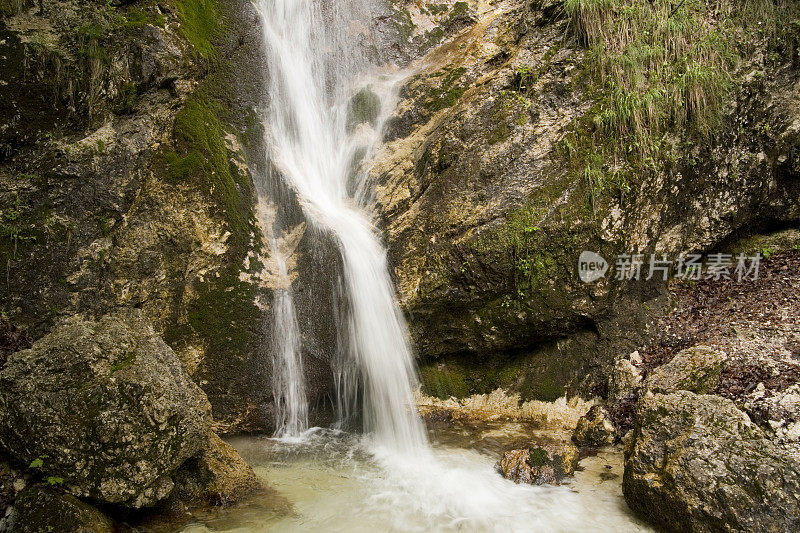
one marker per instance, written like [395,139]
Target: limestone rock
[105,405]
[543,465]
[47,509]
[696,369]
[217,476]
[625,379]
[594,429]
[697,463]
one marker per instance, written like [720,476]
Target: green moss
[445,381]
[403,23]
[463,376]
[139,16]
[364,107]
[123,362]
[437,9]
[225,316]
[448,91]
[538,457]
[202,156]
[500,133]
[201,22]
[779,241]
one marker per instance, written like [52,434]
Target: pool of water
[333,481]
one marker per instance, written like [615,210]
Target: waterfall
[312,66]
[288,388]
[316,66]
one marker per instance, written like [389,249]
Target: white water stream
[314,70]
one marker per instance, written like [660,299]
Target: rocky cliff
[543,129]
[127,131]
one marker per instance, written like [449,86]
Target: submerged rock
[47,509]
[594,429]
[697,463]
[696,369]
[542,465]
[104,406]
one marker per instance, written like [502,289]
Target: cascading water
[291,406]
[311,68]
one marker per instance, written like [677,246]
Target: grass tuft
[660,70]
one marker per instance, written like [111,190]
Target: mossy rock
[39,509]
[546,464]
[697,369]
[364,108]
[594,429]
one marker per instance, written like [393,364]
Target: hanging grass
[661,70]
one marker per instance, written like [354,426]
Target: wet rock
[696,369]
[485,219]
[217,476]
[95,159]
[47,509]
[594,429]
[543,465]
[364,108]
[105,406]
[698,463]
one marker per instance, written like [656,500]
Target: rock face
[127,157]
[594,429]
[47,509]
[487,195]
[697,463]
[105,406]
[544,465]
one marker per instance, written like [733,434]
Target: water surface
[333,481]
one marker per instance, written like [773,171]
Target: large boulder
[106,407]
[698,463]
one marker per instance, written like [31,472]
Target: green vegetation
[403,23]
[448,92]
[462,377]
[538,457]
[140,16]
[124,362]
[16,226]
[202,156]
[9,8]
[200,24]
[660,72]
[364,107]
